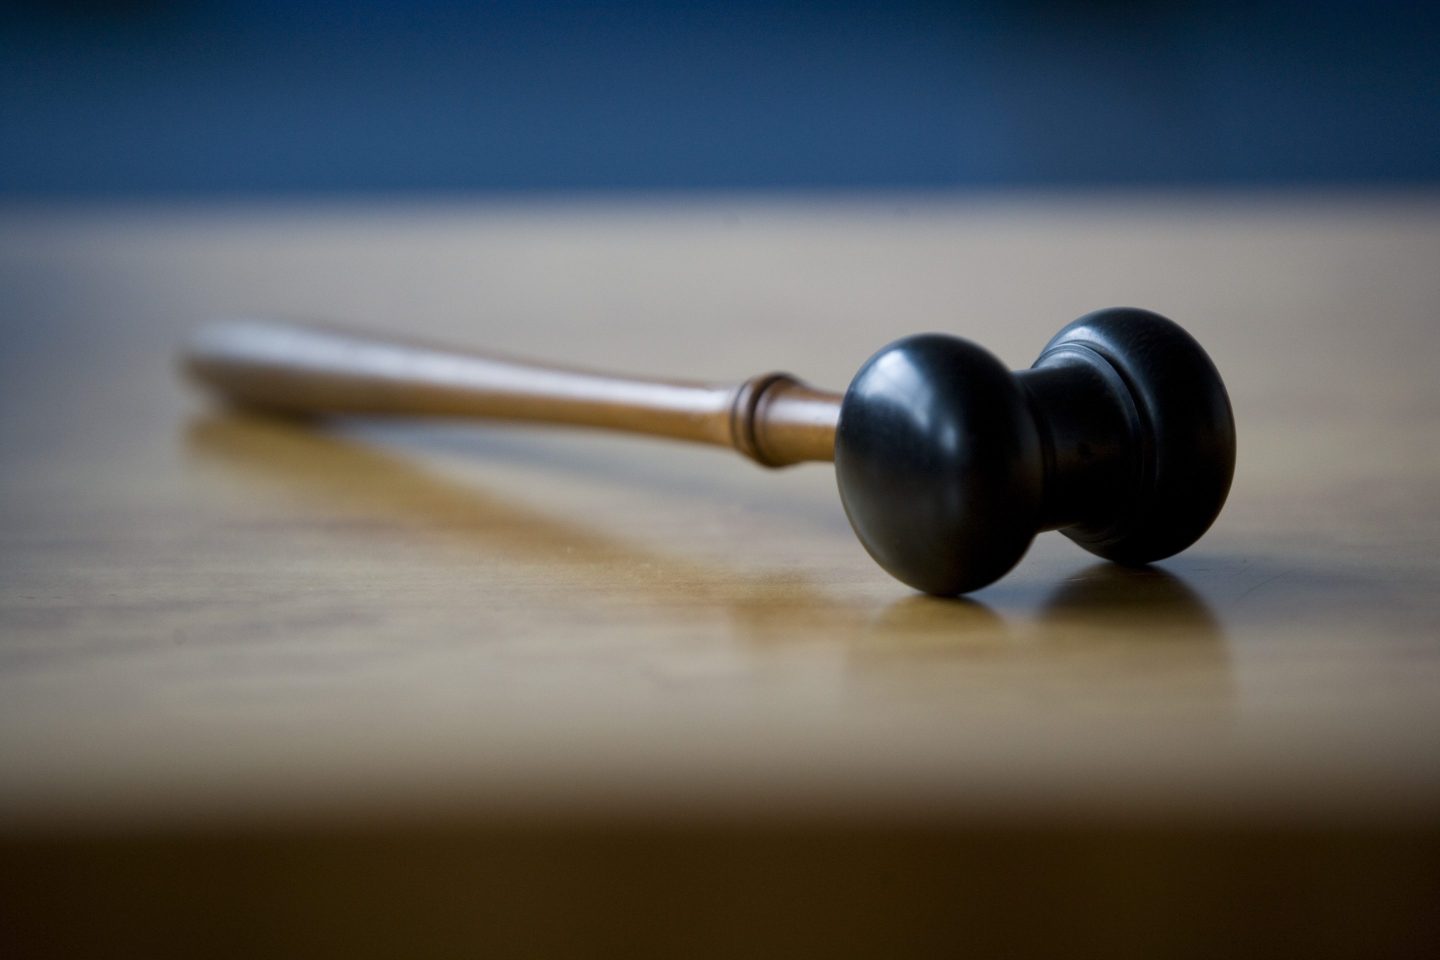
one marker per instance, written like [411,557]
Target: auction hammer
[1120,435]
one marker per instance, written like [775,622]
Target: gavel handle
[773,419]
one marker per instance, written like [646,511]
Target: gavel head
[1121,436]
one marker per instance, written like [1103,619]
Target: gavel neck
[1091,439]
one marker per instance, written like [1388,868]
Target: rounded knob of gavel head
[1120,436]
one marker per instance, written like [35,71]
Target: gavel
[1120,436]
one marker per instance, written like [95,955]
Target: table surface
[212,619]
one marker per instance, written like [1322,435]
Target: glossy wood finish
[1120,435]
[383,686]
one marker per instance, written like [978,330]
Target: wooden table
[395,688]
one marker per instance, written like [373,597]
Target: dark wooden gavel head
[1121,436]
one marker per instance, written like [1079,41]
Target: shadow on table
[1104,618]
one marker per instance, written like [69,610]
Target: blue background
[264,98]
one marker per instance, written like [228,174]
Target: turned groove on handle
[773,418]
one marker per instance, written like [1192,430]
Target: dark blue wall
[209,96]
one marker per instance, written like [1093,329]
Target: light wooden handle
[773,419]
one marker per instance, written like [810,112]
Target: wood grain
[516,688]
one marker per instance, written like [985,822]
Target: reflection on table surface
[1104,619]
